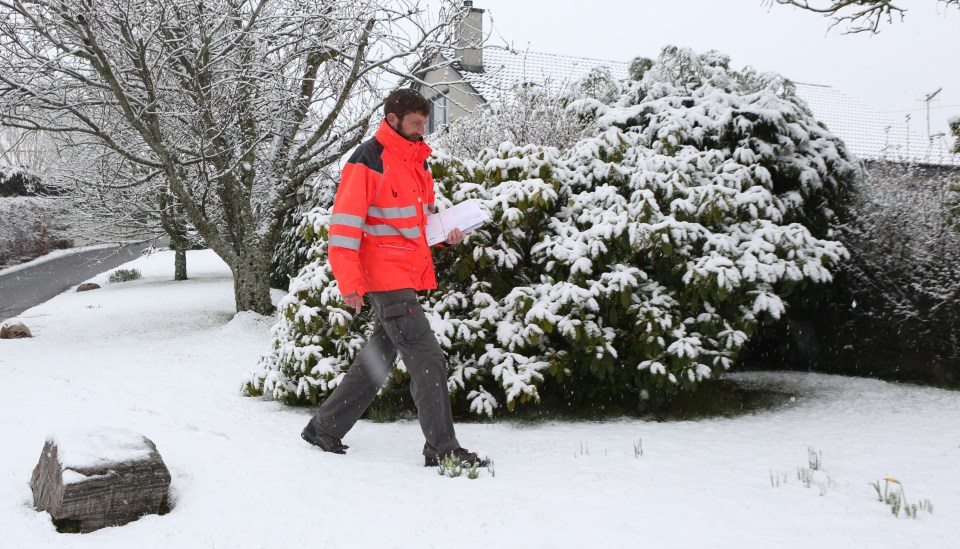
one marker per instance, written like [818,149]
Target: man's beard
[408,137]
[411,137]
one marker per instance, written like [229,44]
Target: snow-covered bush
[524,114]
[904,240]
[29,227]
[292,251]
[17,182]
[955,129]
[124,275]
[316,337]
[635,264]
[952,200]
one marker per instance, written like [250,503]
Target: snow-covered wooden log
[91,480]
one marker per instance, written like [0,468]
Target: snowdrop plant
[452,467]
[805,475]
[635,264]
[808,477]
[896,499]
[779,478]
[473,472]
[814,458]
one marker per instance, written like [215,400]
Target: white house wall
[461,99]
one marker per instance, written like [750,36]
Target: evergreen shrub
[124,275]
[17,182]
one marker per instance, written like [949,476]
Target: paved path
[31,286]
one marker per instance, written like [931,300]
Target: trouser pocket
[404,321]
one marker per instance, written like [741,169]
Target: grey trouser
[400,327]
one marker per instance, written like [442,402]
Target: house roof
[867,132]
[871,134]
[504,69]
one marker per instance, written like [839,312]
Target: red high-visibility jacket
[377,236]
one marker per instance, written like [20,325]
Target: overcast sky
[892,71]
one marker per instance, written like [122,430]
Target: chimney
[469,39]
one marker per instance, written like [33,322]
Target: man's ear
[393,120]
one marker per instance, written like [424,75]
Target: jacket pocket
[400,247]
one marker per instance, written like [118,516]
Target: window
[438,113]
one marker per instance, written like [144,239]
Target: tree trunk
[179,244]
[251,281]
[172,220]
[180,264]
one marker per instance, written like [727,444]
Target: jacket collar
[396,143]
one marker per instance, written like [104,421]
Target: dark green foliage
[639,66]
[292,251]
[124,275]
[894,309]
[17,183]
[22,182]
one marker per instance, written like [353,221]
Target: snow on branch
[231,106]
[857,15]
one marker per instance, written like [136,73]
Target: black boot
[466,458]
[324,441]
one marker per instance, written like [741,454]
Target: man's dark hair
[405,101]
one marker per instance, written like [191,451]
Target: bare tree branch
[213,111]
[857,15]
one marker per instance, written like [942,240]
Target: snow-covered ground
[166,359]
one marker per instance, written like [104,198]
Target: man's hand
[455,237]
[356,303]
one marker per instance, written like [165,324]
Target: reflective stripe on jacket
[377,239]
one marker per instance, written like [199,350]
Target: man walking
[378,249]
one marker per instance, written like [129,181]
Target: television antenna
[927,100]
